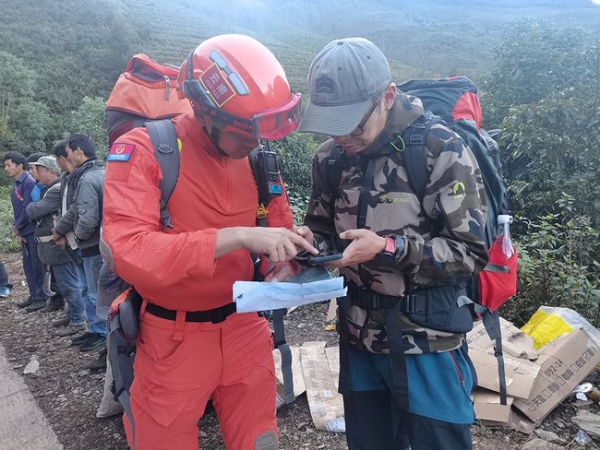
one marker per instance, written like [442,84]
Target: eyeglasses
[359,130]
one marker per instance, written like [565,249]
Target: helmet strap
[214,135]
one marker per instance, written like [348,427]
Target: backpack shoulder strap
[334,168]
[415,157]
[166,150]
[257,164]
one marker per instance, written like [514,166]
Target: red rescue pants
[179,365]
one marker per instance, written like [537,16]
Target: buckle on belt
[410,303]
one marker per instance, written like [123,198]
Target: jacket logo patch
[388,199]
[120,152]
[458,190]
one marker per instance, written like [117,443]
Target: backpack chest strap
[367,299]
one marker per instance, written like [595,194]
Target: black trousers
[372,424]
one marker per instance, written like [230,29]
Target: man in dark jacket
[16,167]
[61,261]
[84,218]
[405,374]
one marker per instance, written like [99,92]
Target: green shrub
[7,240]
[294,155]
[556,268]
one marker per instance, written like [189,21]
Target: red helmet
[239,83]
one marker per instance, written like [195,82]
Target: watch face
[390,244]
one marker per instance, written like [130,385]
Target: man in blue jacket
[15,167]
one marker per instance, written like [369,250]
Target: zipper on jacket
[167,87]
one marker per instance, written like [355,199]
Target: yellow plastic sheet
[544,327]
[548,323]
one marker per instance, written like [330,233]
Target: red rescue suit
[180,365]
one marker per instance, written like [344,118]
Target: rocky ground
[69,394]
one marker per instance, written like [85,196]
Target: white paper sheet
[251,296]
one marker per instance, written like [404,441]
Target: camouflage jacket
[444,233]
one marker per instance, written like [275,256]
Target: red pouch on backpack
[147,90]
[496,283]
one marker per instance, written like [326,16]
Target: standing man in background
[84,219]
[72,272]
[16,168]
[43,213]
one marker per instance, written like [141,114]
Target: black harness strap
[286,354]
[394,334]
[166,150]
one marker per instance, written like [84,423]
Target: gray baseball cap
[49,162]
[343,80]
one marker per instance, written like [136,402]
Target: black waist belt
[215,315]
[365,298]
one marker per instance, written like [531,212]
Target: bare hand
[61,242]
[305,232]
[364,246]
[276,244]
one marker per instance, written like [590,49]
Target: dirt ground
[69,394]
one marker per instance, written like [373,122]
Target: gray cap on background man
[49,162]
[343,80]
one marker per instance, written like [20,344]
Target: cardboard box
[333,359]
[324,401]
[520,374]
[491,413]
[487,407]
[564,362]
[514,341]
[298,378]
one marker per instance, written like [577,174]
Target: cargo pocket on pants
[164,387]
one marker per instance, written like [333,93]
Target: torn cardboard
[297,377]
[333,359]
[487,407]
[491,413]
[564,363]
[324,401]
[514,341]
[520,373]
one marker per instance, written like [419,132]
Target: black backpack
[455,101]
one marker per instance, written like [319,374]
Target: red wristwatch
[391,253]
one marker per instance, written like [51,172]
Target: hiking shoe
[70,330]
[81,339]
[25,303]
[100,362]
[36,306]
[62,322]
[5,290]
[50,307]
[93,342]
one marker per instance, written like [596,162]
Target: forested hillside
[53,54]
